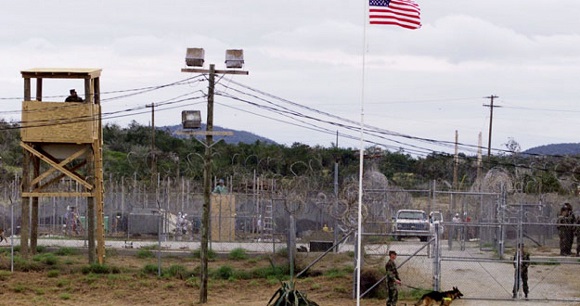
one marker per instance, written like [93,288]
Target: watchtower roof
[62,73]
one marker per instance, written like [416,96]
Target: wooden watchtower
[62,141]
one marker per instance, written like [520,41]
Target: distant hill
[556,149]
[238,137]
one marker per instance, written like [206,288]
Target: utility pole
[455,170]
[153,157]
[491,106]
[207,172]
[479,161]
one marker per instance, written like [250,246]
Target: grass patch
[100,269]
[223,272]
[276,272]
[19,288]
[335,273]
[211,254]
[66,251]
[47,258]
[177,271]
[24,265]
[5,275]
[64,296]
[53,273]
[150,269]
[413,294]
[145,253]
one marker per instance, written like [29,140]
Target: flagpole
[361,158]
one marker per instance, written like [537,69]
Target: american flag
[404,13]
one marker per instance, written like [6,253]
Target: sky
[316,69]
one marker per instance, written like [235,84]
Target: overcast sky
[423,84]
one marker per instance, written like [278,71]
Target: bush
[150,269]
[369,278]
[238,254]
[224,272]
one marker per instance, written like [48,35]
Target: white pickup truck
[411,223]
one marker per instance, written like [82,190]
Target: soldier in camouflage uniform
[566,232]
[522,258]
[392,279]
[578,236]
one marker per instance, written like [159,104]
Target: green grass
[53,273]
[211,254]
[335,273]
[145,253]
[150,269]
[66,251]
[46,258]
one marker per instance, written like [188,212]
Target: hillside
[556,149]
[238,137]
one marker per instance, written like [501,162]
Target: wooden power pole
[491,106]
[207,173]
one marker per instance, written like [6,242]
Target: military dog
[440,298]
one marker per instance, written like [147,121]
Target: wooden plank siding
[60,122]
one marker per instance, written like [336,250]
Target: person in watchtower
[220,188]
[73,97]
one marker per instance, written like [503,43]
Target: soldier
[578,236]
[521,264]
[73,97]
[392,279]
[566,232]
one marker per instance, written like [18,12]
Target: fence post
[436,259]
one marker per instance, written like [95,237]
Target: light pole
[153,156]
[195,57]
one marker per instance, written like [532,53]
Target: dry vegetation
[63,277]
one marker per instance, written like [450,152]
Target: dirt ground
[61,281]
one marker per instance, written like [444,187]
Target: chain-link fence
[474,253]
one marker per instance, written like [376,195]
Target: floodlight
[191,119]
[194,57]
[234,58]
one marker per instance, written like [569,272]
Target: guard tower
[62,141]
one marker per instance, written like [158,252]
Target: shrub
[224,272]
[150,269]
[238,254]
